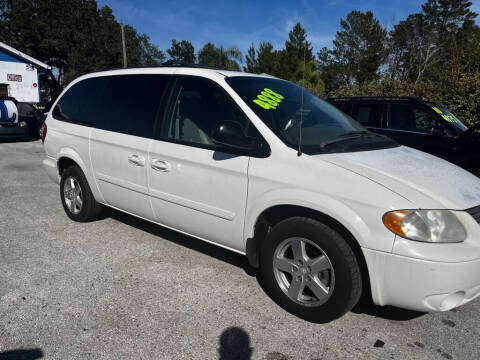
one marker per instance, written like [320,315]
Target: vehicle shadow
[367,307]
[234,344]
[17,140]
[203,247]
[27,354]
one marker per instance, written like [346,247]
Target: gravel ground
[122,288]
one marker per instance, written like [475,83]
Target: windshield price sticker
[447,117]
[268,99]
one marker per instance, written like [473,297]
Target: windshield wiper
[347,136]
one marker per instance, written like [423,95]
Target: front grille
[475,212]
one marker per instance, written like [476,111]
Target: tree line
[434,54]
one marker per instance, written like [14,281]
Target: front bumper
[421,285]
[13,131]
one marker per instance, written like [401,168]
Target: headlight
[23,123]
[436,226]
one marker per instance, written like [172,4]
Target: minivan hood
[423,179]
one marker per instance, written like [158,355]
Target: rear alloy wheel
[77,198]
[310,270]
[72,195]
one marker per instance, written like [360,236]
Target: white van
[325,209]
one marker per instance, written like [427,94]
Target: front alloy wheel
[303,271]
[310,269]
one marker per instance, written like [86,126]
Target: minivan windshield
[286,108]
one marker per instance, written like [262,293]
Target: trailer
[20,82]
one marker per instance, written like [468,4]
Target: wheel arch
[67,157]
[272,215]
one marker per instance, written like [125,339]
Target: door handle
[160,165]
[136,160]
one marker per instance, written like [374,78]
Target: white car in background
[325,209]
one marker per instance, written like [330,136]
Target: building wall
[25,90]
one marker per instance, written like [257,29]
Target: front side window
[199,107]
[78,104]
[298,117]
[410,118]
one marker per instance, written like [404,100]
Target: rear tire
[310,270]
[77,198]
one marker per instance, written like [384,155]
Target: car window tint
[368,115]
[198,109]
[347,108]
[424,122]
[410,118]
[130,103]
[78,104]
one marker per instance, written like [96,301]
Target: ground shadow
[234,344]
[17,140]
[184,240]
[27,354]
[367,307]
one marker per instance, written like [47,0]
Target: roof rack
[370,98]
[169,63]
[172,63]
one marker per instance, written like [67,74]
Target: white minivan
[324,208]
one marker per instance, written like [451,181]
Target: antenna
[299,153]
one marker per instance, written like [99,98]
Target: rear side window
[368,115]
[130,103]
[345,107]
[78,104]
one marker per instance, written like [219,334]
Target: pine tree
[359,47]
[251,60]
[182,51]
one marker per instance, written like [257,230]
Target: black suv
[419,124]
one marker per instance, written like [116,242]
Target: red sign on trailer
[14,77]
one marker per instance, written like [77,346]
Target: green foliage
[182,51]
[359,48]
[221,57]
[434,53]
[310,77]
[74,36]
[297,49]
[267,59]
[251,60]
[460,96]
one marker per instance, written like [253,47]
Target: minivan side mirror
[230,134]
[437,131]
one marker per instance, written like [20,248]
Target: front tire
[77,198]
[310,270]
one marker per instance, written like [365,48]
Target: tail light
[43,132]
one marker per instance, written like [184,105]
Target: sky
[243,22]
